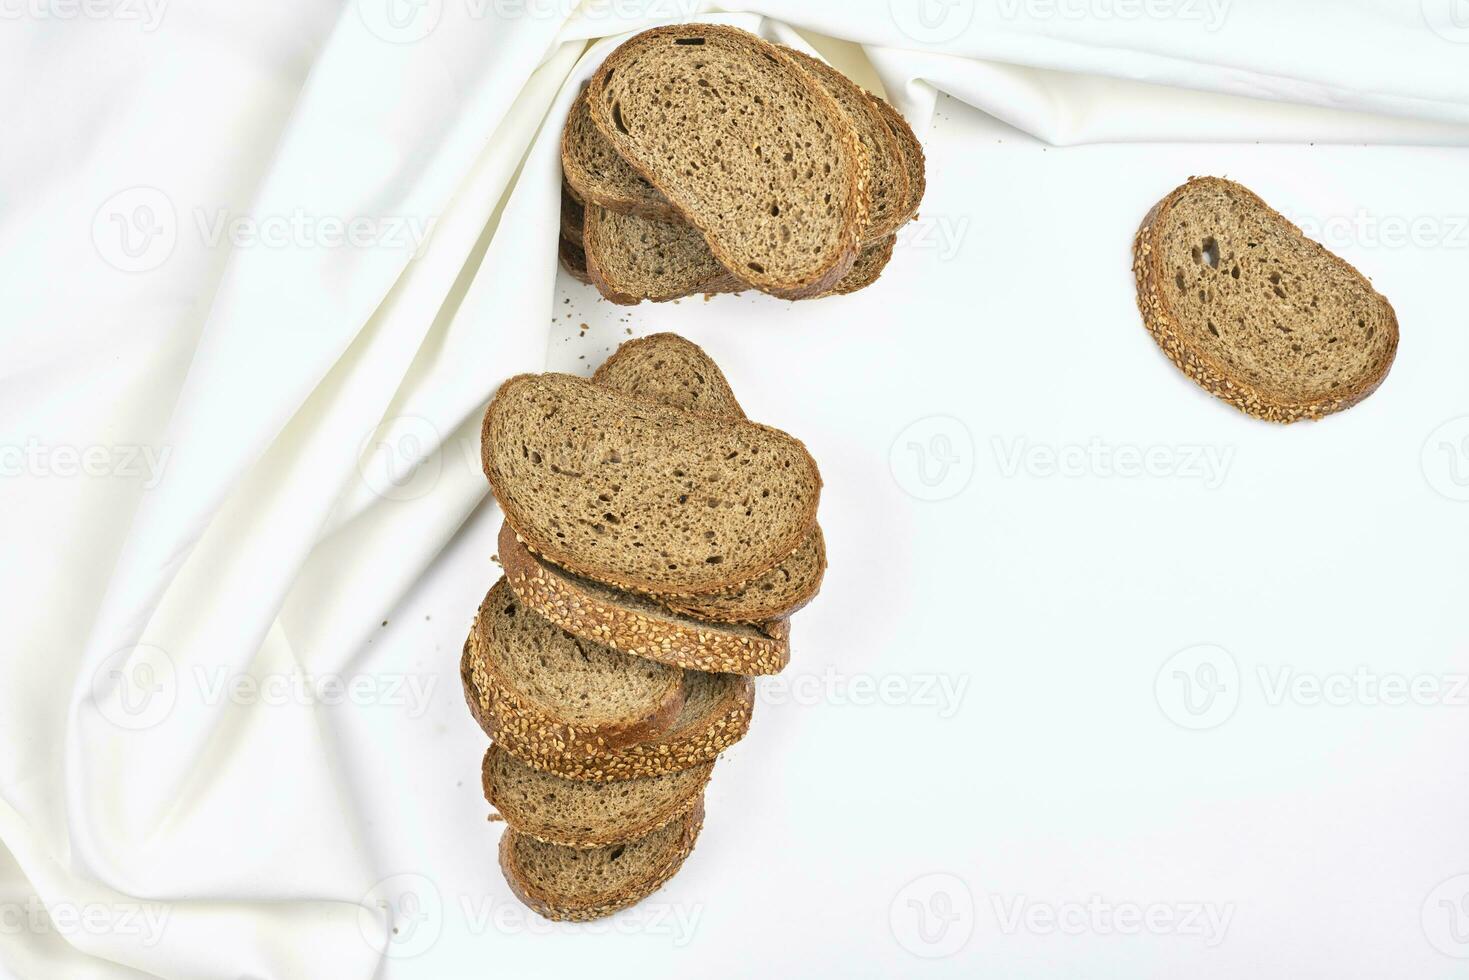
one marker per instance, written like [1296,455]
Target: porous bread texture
[887,171]
[632,258]
[715,715]
[574,813]
[642,496]
[570,685]
[746,145]
[1255,312]
[579,885]
[637,626]
[598,175]
[678,372]
[913,158]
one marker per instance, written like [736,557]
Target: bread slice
[887,168]
[574,813]
[573,216]
[568,884]
[632,258]
[551,681]
[677,372]
[1255,312]
[913,158]
[597,175]
[642,496]
[573,260]
[638,626]
[870,265]
[746,145]
[715,715]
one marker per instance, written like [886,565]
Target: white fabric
[234,443]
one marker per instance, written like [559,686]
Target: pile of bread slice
[703,159]
[655,544]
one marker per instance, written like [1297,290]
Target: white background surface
[1053,602]
[317,517]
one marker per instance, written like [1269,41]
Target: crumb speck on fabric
[385,622]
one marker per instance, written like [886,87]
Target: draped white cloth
[263,266]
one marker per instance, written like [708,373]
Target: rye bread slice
[678,372]
[573,216]
[746,145]
[574,813]
[887,168]
[869,267]
[715,715]
[632,258]
[597,175]
[574,688]
[914,161]
[637,626]
[1255,312]
[641,496]
[573,260]
[567,884]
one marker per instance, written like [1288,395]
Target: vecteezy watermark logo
[932,21]
[1367,229]
[940,234]
[1449,19]
[401,21]
[676,922]
[141,921]
[136,687]
[34,458]
[136,230]
[399,460]
[148,14]
[1198,688]
[1446,917]
[1446,459]
[1208,465]
[1209,13]
[300,228]
[402,916]
[943,694]
[933,458]
[1098,916]
[933,916]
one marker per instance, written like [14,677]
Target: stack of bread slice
[703,159]
[655,544]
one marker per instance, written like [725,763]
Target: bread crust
[565,908]
[709,647]
[649,823]
[587,191]
[594,760]
[780,552]
[912,150]
[857,192]
[517,710]
[1215,378]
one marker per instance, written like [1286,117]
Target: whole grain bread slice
[577,689]
[1255,312]
[575,813]
[748,147]
[678,372]
[568,884]
[598,175]
[573,260]
[637,626]
[913,158]
[642,496]
[573,216]
[715,715]
[632,258]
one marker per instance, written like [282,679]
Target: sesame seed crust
[635,628]
[549,748]
[573,908]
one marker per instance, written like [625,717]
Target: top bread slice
[746,145]
[555,681]
[642,496]
[568,884]
[1255,312]
[678,372]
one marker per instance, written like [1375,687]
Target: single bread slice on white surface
[578,885]
[747,146]
[642,496]
[576,813]
[1255,312]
